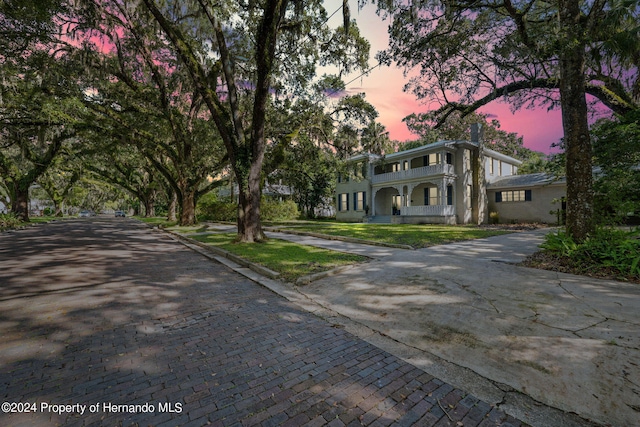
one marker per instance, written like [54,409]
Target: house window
[513,196]
[343,202]
[431,196]
[406,165]
[449,195]
[449,158]
[431,159]
[469,197]
[395,167]
[359,200]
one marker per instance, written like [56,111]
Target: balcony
[413,174]
[433,210]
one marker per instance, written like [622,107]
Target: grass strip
[289,259]
[156,220]
[416,236]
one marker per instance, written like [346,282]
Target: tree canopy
[238,56]
[171,91]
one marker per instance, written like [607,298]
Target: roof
[530,180]
[432,146]
[505,158]
[426,147]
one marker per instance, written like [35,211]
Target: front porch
[419,202]
[418,215]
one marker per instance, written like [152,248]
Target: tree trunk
[249,224]
[20,202]
[57,205]
[173,203]
[188,207]
[149,208]
[149,201]
[57,200]
[575,125]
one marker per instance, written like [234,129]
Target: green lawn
[289,259]
[292,260]
[416,236]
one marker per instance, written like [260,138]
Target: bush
[274,210]
[8,221]
[494,218]
[210,208]
[608,249]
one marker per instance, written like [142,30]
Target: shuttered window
[513,196]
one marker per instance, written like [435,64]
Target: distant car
[84,214]
[120,214]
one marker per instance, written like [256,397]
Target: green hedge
[273,210]
[210,208]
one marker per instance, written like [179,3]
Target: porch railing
[432,210]
[420,172]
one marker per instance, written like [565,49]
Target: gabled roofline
[501,156]
[426,147]
[434,145]
[363,156]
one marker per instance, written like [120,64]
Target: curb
[305,280]
[221,252]
[263,271]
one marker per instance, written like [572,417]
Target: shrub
[8,221]
[211,208]
[607,249]
[560,243]
[494,218]
[274,210]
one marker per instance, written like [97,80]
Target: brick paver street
[108,313]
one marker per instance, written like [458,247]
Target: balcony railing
[432,210]
[421,172]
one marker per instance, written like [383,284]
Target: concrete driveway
[566,341]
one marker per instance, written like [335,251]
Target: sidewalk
[526,340]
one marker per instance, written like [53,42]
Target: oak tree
[240,55]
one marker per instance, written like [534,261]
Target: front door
[396,203]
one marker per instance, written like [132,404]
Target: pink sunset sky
[383,87]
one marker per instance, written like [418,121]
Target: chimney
[477,132]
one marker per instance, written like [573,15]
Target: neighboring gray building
[527,198]
[446,182]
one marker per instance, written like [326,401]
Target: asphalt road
[106,322]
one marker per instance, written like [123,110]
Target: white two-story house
[443,182]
